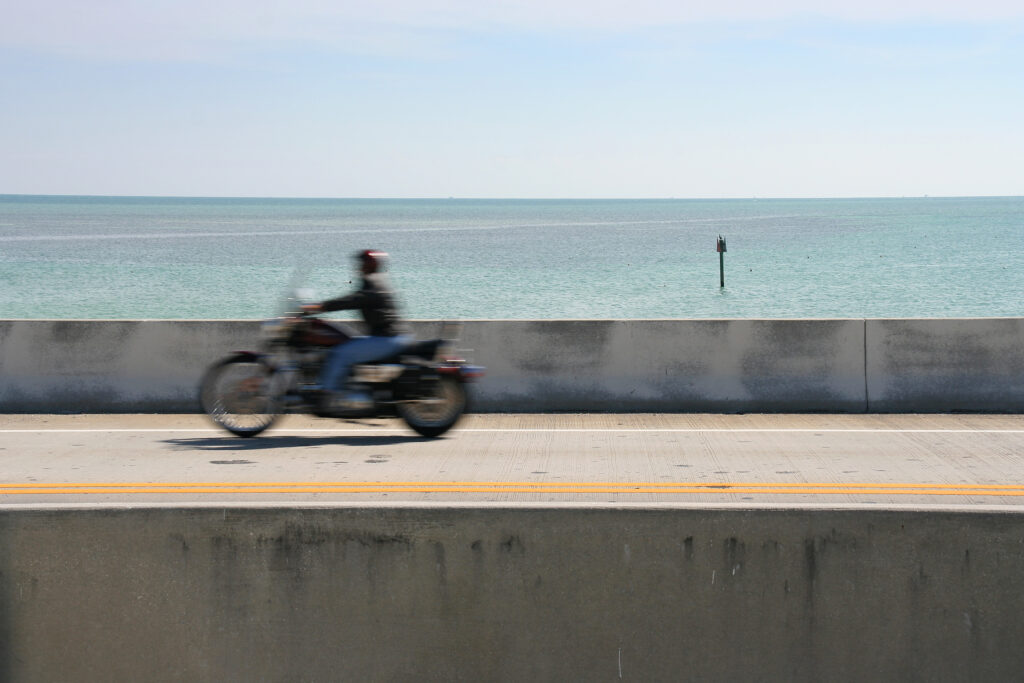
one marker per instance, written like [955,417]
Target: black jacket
[376,302]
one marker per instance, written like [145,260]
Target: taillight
[472,371]
[464,372]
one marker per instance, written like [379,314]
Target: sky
[462,98]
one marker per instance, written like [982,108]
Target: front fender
[246,355]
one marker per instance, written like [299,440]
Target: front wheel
[435,414]
[238,394]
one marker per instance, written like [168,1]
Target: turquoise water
[102,257]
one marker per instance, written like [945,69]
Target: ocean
[221,258]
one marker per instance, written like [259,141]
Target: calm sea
[115,257]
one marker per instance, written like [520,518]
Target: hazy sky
[471,98]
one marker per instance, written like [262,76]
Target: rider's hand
[310,308]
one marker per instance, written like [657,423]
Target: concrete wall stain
[562,347]
[735,552]
[513,546]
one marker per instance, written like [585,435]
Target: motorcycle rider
[387,333]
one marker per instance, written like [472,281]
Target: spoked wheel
[436,414]
[237,394]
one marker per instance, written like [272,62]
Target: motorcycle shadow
[235,443]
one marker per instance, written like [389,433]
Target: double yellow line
[774,488]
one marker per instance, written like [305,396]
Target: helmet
[372,260]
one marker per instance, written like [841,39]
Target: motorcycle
[425,384]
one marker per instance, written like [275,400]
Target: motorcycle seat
[421,350]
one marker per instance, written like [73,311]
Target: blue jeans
[358,350]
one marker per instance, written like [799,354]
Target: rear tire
[439,413]
[235,393]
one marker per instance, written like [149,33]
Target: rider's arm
[345,303]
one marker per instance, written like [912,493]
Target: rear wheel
[237,393]
[436,413]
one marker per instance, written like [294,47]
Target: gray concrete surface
[850,365]
[522,593]
[823,460]
[679,365]
[521,547]
[968,365]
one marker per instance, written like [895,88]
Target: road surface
[940,461]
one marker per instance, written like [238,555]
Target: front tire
[236,393]
[435,415]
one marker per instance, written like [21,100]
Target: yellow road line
[777,488]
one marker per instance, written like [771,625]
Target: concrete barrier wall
[509,594]
[942,365]
[605,365]
[109,365]
[671,365]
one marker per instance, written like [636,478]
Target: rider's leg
[357,350]
[336,365]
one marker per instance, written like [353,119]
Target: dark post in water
[720,248]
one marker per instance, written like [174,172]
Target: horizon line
[499,198]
